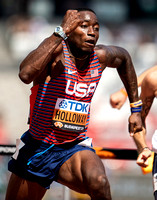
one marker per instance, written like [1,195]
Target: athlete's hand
[70,21]
[117,99]
[142,159]
[135,123]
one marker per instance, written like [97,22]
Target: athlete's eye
[96,28]
[84,26]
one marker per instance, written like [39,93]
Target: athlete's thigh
[19,188]
[77,172]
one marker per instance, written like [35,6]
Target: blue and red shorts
[39,162]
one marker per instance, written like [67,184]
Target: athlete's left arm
[119,58]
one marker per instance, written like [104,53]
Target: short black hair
[85,9]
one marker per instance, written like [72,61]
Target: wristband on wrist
[123,91]
[136,104]
[137,109]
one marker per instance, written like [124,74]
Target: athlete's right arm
[118,98]
[36,61]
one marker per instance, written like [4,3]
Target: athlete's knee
[99,182]
[100,188]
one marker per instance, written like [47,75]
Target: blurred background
[127,23]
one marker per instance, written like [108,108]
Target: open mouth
[90,42]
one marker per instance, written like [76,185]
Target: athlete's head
[85,36]
[85,9]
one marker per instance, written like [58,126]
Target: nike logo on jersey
[71,72]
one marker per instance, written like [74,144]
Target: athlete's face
[85,36]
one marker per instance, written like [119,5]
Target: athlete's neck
[81,58]
[76,52]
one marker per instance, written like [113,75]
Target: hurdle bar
[103,153]
[7,150]
[114,153]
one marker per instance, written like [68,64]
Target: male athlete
[148,82]
[65,70]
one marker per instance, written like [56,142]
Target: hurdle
[103,153]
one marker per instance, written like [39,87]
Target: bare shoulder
[111,56]
[151,78]
[110,50]
[149,83]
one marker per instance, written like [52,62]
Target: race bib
[70,115]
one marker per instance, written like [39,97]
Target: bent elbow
[25,77]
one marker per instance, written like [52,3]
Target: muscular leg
[84,172]
[19,189]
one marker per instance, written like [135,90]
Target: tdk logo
[77,106]
[72,105]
